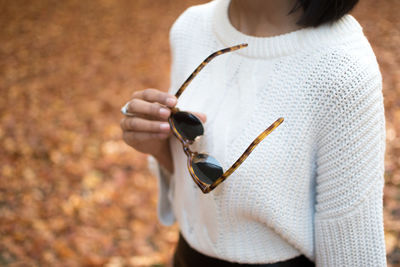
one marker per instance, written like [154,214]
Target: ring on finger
[124,110]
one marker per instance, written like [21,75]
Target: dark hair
[317,12]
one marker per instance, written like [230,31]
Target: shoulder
[347,76]
[190,19]
[339,44]
[191,36]
[354,84]
[354,68]
[352,63]
[187,37]
[348,63]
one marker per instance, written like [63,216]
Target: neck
[264,18]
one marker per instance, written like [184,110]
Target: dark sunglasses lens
[188,125]
[206,168]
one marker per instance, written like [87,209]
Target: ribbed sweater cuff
[355,239]
[164,207]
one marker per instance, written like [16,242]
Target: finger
[137,124]
[201,116]
[154,95]
[146,109]
[147,117]
[136,137]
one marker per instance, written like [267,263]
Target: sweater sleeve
[350,176]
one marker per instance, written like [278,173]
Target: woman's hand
[148,130]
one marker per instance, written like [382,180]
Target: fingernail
[171,101]
[164,126]
[164,112]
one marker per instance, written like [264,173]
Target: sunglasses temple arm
[205,62]
[247,152]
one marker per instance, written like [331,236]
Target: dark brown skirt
[186,256]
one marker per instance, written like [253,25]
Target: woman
[311,192]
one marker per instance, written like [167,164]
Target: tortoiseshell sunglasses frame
[206,188]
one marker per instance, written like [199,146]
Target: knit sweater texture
[313,186]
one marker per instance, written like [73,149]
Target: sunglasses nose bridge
[187,150]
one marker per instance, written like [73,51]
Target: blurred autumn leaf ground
[71,192]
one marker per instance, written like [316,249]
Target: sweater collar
[284,44]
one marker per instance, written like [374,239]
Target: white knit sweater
[313,186]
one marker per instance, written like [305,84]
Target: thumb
[201,116]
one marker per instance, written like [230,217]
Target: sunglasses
[205,170]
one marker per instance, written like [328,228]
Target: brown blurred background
[72,193]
